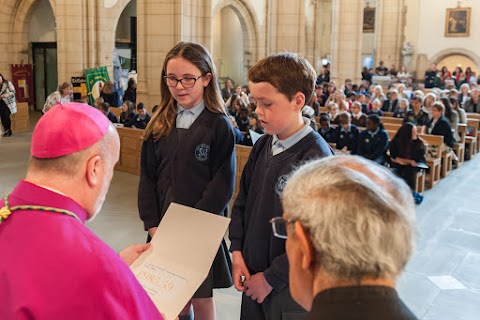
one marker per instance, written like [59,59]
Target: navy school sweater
[263,180]
[198,170]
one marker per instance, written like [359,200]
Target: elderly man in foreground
[350,227]
[51,265]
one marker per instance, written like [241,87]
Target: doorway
[44,71]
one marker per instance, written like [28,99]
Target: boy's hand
[257,287]
[239,270]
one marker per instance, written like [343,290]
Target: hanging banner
[95,79]
[22,79]
[79,88]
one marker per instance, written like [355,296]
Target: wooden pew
[116,111]
[391,120]
[392,126]
[388,114]
[131,142]
[434,161]
[471,140]
[21,119]
[459,146]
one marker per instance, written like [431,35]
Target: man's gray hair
[359,216]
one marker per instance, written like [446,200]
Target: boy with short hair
[281,84]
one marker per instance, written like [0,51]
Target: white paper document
[255,136]
[179,259]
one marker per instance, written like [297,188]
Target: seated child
[254,125]
[346,134]
[105,108]
[333,112]
[402,109]
[242,119]
[142,118]
[127,117]
[373,142]
[326,131]
[358,117]
[376,108]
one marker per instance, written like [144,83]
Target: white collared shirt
[278,146]
[185,117]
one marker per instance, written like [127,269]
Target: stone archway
[456,51]
[18,31]
[249,24]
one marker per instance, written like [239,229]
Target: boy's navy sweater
[263,180]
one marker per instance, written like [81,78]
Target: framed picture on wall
[457,22]
[368,20]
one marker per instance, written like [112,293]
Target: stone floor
[442,280]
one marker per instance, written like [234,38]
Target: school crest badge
[201,152]
[281,183]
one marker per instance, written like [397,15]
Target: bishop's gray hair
[358,215]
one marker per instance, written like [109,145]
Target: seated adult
[127,117]
[326,130]
[349,226]
[439,125]
[390,105]
[108,94]
[346,134]
[373,142]
[402,109]
[406,151]
[141,119]
[417,115]
[359,119]
[472,104]
[58,97]
[104,107]
[52,266]
[452,117]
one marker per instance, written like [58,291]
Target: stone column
[389,32]
[346,41]
[160,26]
[287,23]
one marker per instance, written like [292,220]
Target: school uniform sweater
[346,139]
[262,183]
[198,169]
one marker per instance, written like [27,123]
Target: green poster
[95,79]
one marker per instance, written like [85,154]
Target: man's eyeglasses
[279,226]
[186,82]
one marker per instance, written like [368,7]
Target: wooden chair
[459,147]
[391,120]
[471,139]
[447,157]
[475,116]
[434,160]
[420,182]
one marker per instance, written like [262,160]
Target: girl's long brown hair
[163,119]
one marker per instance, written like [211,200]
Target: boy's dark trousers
[279,305]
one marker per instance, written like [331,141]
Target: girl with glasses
[188,156]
